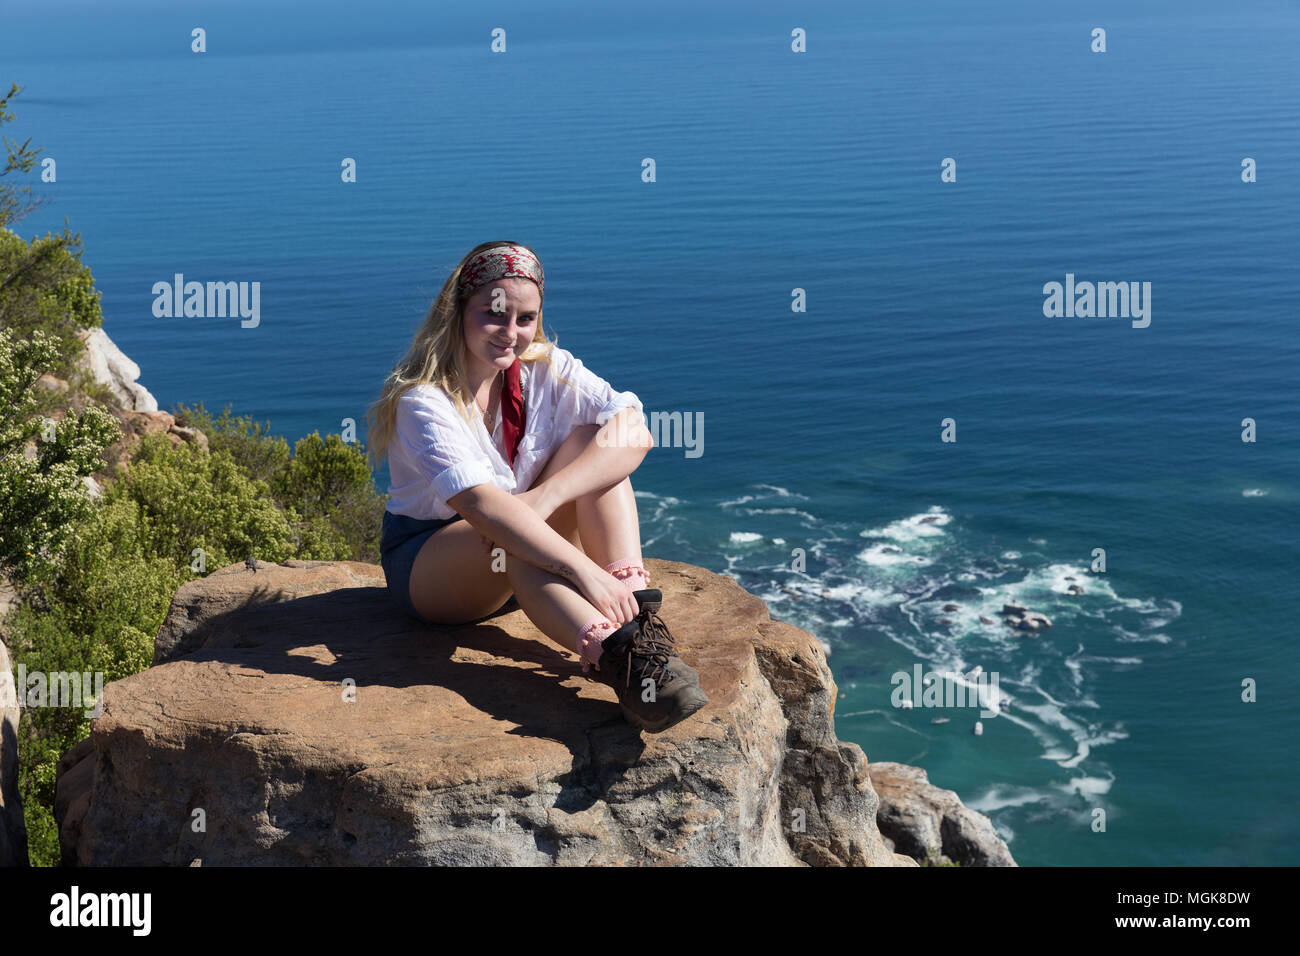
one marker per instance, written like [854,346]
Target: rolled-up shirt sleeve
[597,402]
[437,442]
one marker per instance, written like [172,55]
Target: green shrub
[102,610]
[259,454]
[329,488]
[95,580]
[326,488]
[47,288]
[191,500]
[42,497]
[934,857]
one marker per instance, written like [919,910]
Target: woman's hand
[608,595]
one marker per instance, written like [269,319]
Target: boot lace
[652,647]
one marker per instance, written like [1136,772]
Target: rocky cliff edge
[295,716]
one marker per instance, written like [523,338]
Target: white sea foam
[1165,606]
[997,798]
[783,492]
[1129,637]
[667,499]
[745,499]
[974,691]
[852,592]
[1254,493]
[927,525]
[1075,665]
[1053,714]
[733,502]
[913,567]
[1088,786]
[887,556]
[888,715]
[1056,754]
[779,511]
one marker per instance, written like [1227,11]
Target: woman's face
[503,313]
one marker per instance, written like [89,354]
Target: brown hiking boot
[652,694]
[649,601]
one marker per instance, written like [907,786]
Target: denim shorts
[402,538]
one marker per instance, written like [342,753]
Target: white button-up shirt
[435,455]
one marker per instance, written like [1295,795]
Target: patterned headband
[500,262]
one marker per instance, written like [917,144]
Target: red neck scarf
[512,411]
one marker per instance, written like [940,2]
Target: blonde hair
[436,357]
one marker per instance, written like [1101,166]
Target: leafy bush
[41,497]
[192,500]
[45,287]
[259,454]
[326,488]
[102,609]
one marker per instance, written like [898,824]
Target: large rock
[109,365]
[13,830]
[931,824]
[72,796]
[479,744]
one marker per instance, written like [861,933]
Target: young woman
[498,440]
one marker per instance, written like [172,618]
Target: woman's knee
[567,450]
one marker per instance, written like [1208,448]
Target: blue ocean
[839,268]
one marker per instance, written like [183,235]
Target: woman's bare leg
[454,582]
[552,603]
[608,524]
[465,588]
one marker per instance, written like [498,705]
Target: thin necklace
[487,411]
